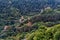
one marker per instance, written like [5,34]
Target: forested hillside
[12,9]
[41,19]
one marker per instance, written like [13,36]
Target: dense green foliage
[46,24]
[11,10]
[46,29]
[44,33]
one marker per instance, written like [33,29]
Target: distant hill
[12,9]
[27,6]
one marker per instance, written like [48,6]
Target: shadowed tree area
[29,20]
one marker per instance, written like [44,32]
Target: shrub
[49,24]
[30,37]
[57,35]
